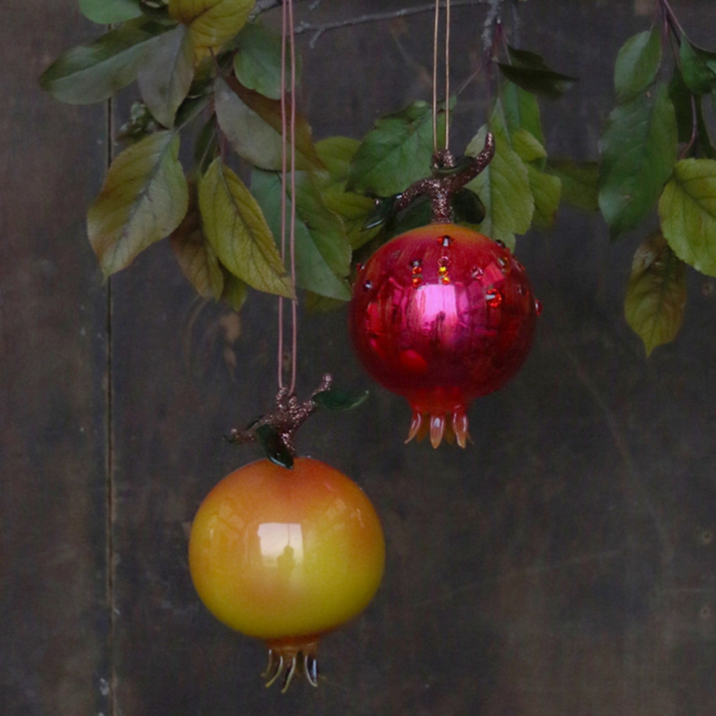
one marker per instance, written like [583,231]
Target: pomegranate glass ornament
[442,315]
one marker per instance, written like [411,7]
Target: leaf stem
[672,20]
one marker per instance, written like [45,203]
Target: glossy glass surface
[442,315]
[283,554]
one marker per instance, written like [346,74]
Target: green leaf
[355,209]
[530,72]
[579,183]
[687,210]
[546,190]
[235,291]
[685,104]
[197,260]
[637,65]
[656,293]
[273,446]
[682,98]
[238,232]
[107,12]
[211,22]
[143,200]
[166,74]
[396,153]
[521,111]
[503,187]
[323,253]
[638,155]
[252,123]
[334,399]
[337,153]
[257,64]
[250,136]
[468,207]
[698,67]
[527,146]
[93,72]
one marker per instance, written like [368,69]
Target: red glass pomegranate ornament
[442,314]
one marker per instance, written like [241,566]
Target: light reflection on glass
[281,544]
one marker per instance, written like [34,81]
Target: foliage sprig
[208,74]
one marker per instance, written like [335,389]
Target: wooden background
[563,564]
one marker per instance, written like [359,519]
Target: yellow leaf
[656,293]
[212,22]
[197,259]
[236,228]
[144,198]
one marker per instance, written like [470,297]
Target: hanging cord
[288,183]
[446,58]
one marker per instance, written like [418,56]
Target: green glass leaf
[237,231]
[687,210]
[211,22]
[166,74]
[93,72]
[547,191]
[521,111]
[197,260]
[638,155]
[144,199]
[503,187]
[252,123]
[334,399]
[257,63]
[698,67]
[579,182]
[396,153]
[107,12]
[323,253]
[656,293]
[382,213]
[637,64]
[273,446]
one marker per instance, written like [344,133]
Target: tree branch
[321,29]
[262,6]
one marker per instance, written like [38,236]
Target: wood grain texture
[563,564]
[53,411]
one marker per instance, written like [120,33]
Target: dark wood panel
[564,563]
[540,571]
[53,638]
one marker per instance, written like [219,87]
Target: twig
[262,6]
[320,30]
[492,19]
